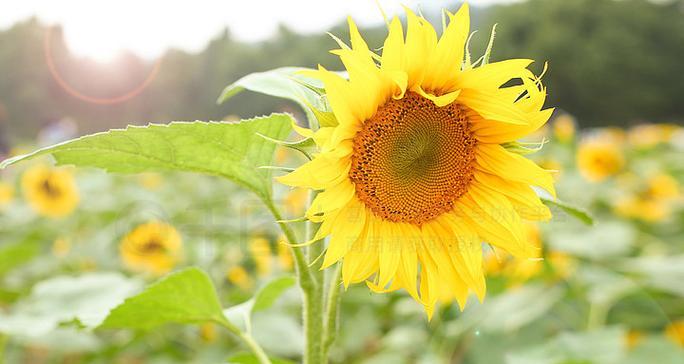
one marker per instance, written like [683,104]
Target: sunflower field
[423,205]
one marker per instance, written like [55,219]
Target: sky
[102,29]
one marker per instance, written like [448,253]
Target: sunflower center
[50,189]
[412,159]
[152,246]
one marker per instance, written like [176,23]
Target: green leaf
[574,211]
[262,300]
[16,254]
[287,83]
[305,146]
[230,150]
[186,296]
[86,299]
[524,148]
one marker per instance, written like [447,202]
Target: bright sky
[101,29]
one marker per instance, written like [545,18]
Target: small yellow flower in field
[295,201]
[50,192]
[563,264]
[260,249]
[285,256]
[6,193]
[281,154]
[208,332]
[651,202]
[61,247]
[238,276]
[599,159]
[647,136]
[643,208]
[150,181]
[675,332]
[153,247]
[662,186]
[564,128]
[414,175]
[633,338]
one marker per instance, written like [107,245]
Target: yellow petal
[445,62]
[522,196]
[332,198]
[348,227]
[495,159]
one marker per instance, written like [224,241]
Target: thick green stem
[332,311]
[248,340]
[312,292]
[313,300]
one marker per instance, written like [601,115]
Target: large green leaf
[187,296]
[230,150]
[86,298]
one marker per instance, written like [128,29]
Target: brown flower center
[412,159]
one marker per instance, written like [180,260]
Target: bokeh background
[611,292]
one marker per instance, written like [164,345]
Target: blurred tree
[610,62]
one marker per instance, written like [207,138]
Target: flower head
[414,175]
[50,192]
[153,247]
[600,158]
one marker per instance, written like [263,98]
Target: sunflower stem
[248,340]
[314,309]
[332,312]
[312,306]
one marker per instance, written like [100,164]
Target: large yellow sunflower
[415,176]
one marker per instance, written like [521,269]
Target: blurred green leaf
[662,272]
[186,296]
[508,311]
[605,240]
[605,346]
[16,254]
[574,211]
[655,349]
[262,300]
[230,150]
[86,298]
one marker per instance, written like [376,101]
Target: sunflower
[238,276]
[260,249]
[675,332]
[6,193]
[599,158]
[564,128]
[416,175]
[50,192]
[153,247]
